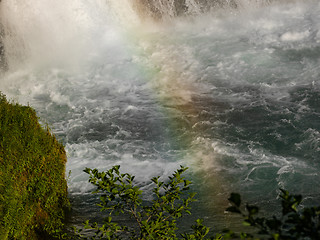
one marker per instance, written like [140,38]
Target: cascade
[227,88]
[29,29]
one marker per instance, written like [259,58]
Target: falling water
[228,88]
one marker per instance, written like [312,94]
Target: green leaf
[252,209]
[87,170]
[235,199]
[233,209]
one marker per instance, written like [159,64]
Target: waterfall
[227,88]
[44,31]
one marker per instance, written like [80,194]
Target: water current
[231,91]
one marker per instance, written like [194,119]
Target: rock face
[3,63]
[164,9]
[33,188]
[160,9]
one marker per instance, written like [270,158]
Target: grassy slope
[33,189]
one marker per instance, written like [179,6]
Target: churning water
[229,90]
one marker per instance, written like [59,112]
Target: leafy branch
[119,195]
[157,219]
[292,224]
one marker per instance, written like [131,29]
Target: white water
[231,93]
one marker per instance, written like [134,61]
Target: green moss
[33,188]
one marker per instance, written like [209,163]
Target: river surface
[233,93]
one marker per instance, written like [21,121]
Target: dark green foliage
[33,189]
[199,232]
[292,224]
[119,195]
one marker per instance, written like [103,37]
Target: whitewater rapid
[232,93]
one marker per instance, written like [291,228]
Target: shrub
[157,220]
[293,223]
[33,189]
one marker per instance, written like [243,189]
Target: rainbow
[35,37]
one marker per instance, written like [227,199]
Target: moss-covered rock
[33,188]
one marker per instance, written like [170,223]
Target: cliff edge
[33,188]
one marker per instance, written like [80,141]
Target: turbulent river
[231,91]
